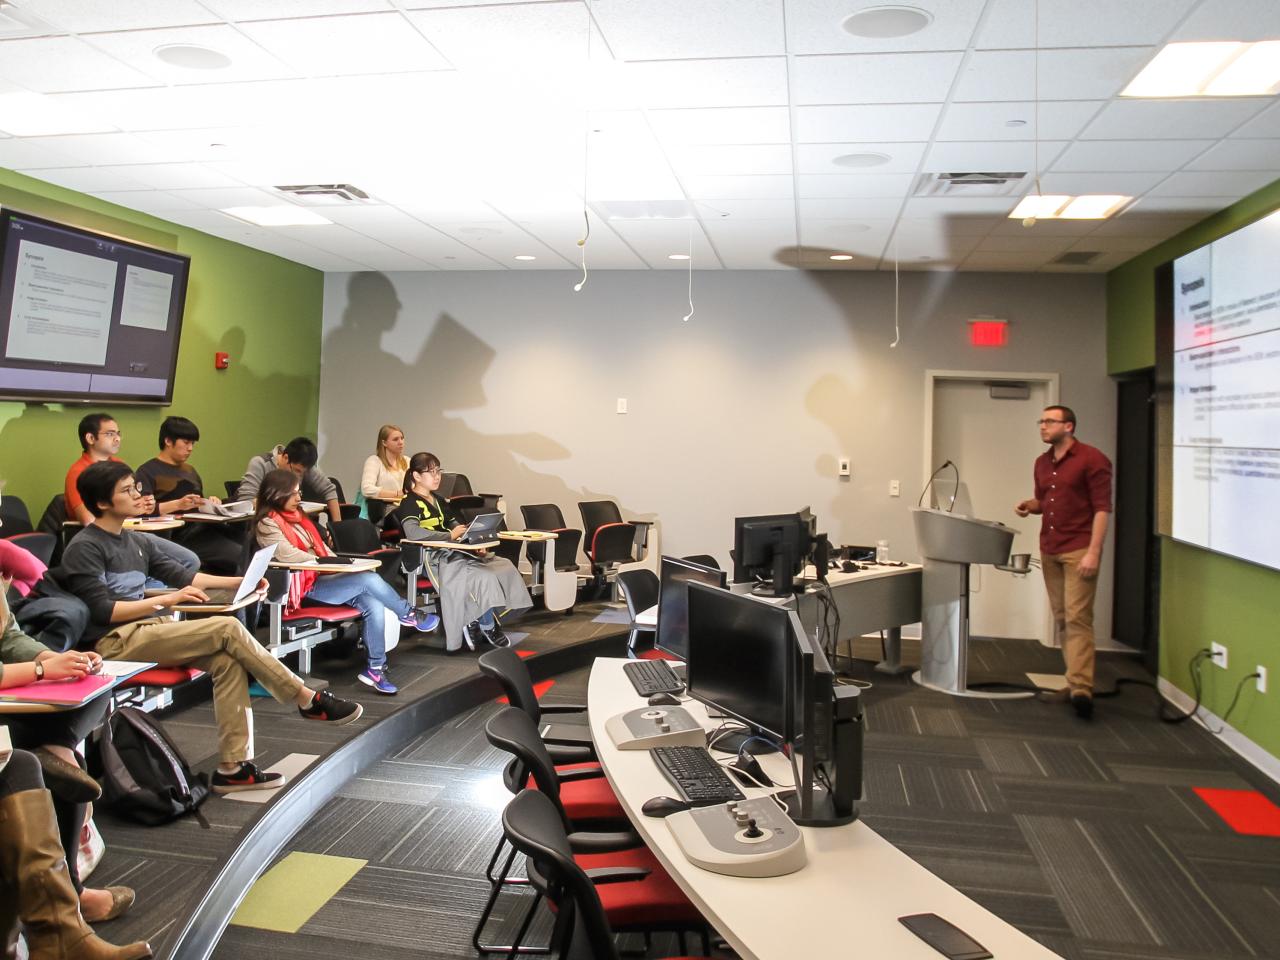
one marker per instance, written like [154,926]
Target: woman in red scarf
[279,520]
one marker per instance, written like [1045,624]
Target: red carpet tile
[538,690]
[524,653]
[1245,811]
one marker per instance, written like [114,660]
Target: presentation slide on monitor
[1226,404]
[61,308]
[147,295]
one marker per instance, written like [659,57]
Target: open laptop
[252,577]
[482,529]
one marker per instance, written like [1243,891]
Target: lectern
[950,543]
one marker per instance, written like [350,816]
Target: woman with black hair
[279,520]
[476,589]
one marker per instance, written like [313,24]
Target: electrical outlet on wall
[895,488]
[1218,653]
[845,469]
[1261,681]
[622,404]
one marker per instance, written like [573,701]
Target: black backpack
[144,775]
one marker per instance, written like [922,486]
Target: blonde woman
[383,475]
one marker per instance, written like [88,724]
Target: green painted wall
[1204,597]
[264,311]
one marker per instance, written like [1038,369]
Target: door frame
[1051,383]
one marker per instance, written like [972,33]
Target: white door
[994,443]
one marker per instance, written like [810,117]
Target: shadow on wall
[431,394]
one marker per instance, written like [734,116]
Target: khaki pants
[222,648]
[1071,599]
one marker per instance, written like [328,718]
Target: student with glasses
[476,589]
[279,520]
[1073,497]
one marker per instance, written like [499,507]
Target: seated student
[278,520]
[35,890]
[100,439]
[107,566]
[176,488]
[382,477]
[476,589]
[52,738]
[299,455]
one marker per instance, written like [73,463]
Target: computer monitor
[673,602]
[772,550]
[741,660]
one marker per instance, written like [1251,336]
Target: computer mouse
[664,700]
[663,806]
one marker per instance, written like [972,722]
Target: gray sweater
[315,485]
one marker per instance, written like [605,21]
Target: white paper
[61,306]
[122,668]
[147,295]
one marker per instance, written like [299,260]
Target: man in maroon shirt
[1073,495]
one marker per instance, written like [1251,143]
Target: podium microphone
[934,476]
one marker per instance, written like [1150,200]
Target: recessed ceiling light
[1015,123]
[191,56]
[677,256]
[1254,72]
[841,256]
[860,160]
[883,23]
[282,215]
[1065,207]
[525,256]
[1212,69]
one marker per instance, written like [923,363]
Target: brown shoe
[32,864]
[1082,703]
[122,899]
[66,780]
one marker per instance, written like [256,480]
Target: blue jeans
[369,594]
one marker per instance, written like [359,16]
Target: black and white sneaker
[496,635]
[248,777]
[473,635]
[325,706]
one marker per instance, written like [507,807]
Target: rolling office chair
[703,560]
[592,902]
[588,807]
[639,589]
[16,518]
[567,744]
[607,539]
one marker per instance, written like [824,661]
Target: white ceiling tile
[959,156]
[729,125]
[1040,244]
[88,179]
[731,160]
[1052,228]
[1128,155]
[97,149]
[1170,119]
[1075,74]
[1126,184]
[502,242]
[745,210]
[965,208]
[337,46]
[432,205]
[655,240]
[656,84]
[1240,155]
[1231,20]
[935,246]
[874,78]
[1230,183]
[1188,206]
[33,153]
[221,198]
[1265,124]
[507,38]
[880,122]
[248,60]
[175,176]
[677,29]
[1082,23]
[815,26]
[1061,120]
[739,187]
[1137,222]
[155,202]
[1018,260]
[1096,241]
[277,9]
[87,16]
[871,207]
[604,248]
[821,157]
[852,185]
[59,64]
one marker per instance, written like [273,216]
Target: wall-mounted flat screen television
[86,317]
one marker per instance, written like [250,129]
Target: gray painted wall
[513,379]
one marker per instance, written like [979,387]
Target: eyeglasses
[434,471]
[1041,423]
[132,490]
[109,434]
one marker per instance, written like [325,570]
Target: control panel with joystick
[742,838]
[656,726]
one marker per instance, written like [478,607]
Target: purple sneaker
[422,622]
[378,680]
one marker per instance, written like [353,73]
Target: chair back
[509,550]
[532,827]
[13,511]
[39,545]
[468,505]
[639,589]
[542,516]
[606,538]
[337,488]
[512,675]
[355,536]
[703,560]
[52,522]
[512,732]
[232,487]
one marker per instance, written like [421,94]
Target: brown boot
[34,866]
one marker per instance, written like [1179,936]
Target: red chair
[607,539]
[303,629]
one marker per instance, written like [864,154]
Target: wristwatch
[39,670]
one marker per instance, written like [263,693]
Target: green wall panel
[262,310]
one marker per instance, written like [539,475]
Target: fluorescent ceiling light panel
[1211,69]
[1042,207]
[277,216]
[33,115]
[1093,207]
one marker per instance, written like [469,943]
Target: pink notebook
[58,691]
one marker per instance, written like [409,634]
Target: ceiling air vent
[1077,258]
[971,184]
[325,194]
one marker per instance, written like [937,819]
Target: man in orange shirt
[100,439]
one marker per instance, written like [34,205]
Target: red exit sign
[988,333]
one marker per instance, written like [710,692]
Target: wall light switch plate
[895,488]
[844,467]
[622,404]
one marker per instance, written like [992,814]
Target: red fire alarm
[221,361]
[988,332]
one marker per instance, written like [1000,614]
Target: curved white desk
[844,902]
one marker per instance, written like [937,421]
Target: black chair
[469,506]
[337,488]
[584,897]
[39,545]
[232,487]
[454,485]
[54,522]
[16,519]
[607,539]
[704,560]
[639,590]
[508,550]
[359,538]
[571,740]
[547,516]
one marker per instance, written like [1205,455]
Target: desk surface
[152,524]
[118,670]
[359,566]
[854,887]
[452,545]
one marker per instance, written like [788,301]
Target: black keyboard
[652,676]
[695,773]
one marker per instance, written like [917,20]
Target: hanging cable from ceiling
[1035,106]
[686,317]
[586,156]
[897,329]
